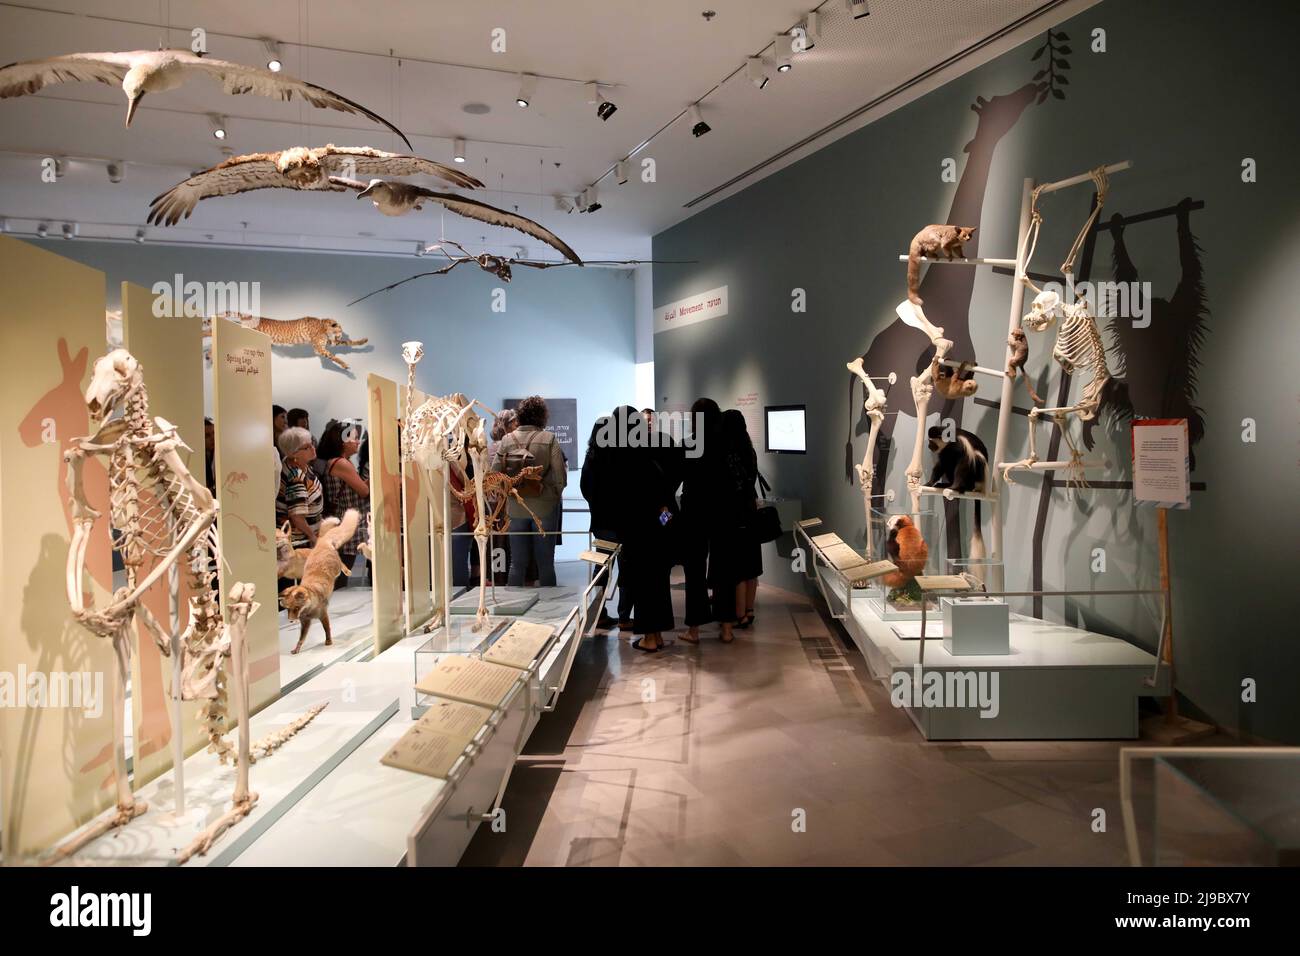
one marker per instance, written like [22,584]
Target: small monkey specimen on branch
[931,242]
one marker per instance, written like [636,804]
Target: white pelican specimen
[397,199]
[157,71]
[301,167]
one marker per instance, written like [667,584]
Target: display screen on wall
[562,423]
[785,429]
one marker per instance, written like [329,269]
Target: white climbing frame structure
[1076,347]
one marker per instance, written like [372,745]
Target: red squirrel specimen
[930,242]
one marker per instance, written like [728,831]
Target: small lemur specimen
[961,464]
[907,549]
[1019,343]
[930,242]
[949,383]
[310,600]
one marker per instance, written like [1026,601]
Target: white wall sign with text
[692,309]
[1161,475]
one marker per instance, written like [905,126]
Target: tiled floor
[780,750]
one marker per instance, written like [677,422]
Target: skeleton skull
[1043,311]
[114,376]
[412,352]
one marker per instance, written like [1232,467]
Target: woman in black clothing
[599,486]
[742,469]
[642,517]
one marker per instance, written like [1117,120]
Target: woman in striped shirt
[301,497]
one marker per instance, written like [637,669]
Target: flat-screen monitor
[785,433]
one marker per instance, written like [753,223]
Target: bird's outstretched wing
[239,174]
[19,79]
[353,184]
[419,275]
[367,161]
[236,79]
[473,209]
[543,264]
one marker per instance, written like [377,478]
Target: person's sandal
[726,638]
[745,621]
[648,650]
[686,638]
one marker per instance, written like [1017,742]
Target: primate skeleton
[161,513]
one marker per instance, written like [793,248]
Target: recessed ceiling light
[476,109]
[527,84]
[272,54]
[458,151]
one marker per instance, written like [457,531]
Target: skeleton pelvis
[200,671]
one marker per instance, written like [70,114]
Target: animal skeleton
[499,266]
[1078,346]
[323,168]
[320,334]
[397,199]
[445,433]
[875,408]
[162,513]
[157,71]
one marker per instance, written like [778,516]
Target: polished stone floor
[780,750]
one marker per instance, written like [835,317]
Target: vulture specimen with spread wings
[499,266]
[157,71]
[397,199]
[298,168]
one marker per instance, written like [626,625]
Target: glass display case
[915,542]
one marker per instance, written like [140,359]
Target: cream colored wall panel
[418,581]
[55,761]
[386,509]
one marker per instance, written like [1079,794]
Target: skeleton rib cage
[1079,345]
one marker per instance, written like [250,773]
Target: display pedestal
[509,602]
[975,626]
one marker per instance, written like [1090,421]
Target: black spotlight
[700,127]
[606,109]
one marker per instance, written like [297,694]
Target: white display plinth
[976,626]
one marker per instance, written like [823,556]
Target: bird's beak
[130,109]
[365,192]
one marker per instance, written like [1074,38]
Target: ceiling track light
[698,126]
[757,72]
[420,249]
[60,167]
[857,8]
[527,85]
[272,48]
[139,234]
[805,35]
[42,229]
[458,150]
[116,171]
[4,225]
[604,108]
[71,230]
[563,204]
[620,172]
[784,52]
[590,199]
[218,124]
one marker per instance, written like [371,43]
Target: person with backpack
[528,445]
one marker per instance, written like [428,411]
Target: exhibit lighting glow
[458,150]
[784,45]
[756,73]
[527,84]
[698,126]
[272,55]
[218,123]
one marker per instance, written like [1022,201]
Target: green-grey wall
[1186,90]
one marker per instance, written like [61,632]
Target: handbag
[766,524]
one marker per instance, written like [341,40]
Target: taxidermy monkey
[961,464]
[907,549]
[949,383]
[930,242]
[1019,356]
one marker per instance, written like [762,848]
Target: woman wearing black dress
[742,468]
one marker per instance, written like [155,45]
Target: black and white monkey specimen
[961,464]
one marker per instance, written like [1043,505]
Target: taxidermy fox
[930,242]
[310,600]
[289,561]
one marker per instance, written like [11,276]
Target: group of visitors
[630,478]
[319,480]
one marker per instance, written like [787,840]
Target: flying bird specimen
[397,199]
[499,266]
[157,71]
[301,167]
